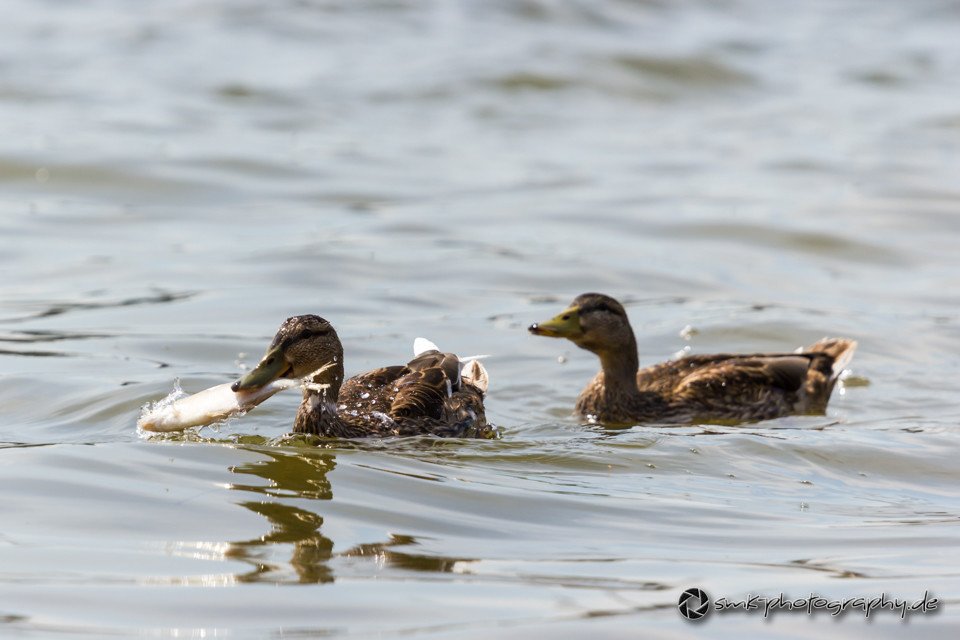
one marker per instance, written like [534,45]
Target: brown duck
[432,394]
[725,388]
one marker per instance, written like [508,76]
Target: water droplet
[688,332]
[365,395]
[682,353]
[562,359]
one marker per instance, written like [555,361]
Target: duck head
[593,321]
[302,346]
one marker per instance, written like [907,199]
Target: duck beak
[564,325]
[272,367]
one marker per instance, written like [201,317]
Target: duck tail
[839,350]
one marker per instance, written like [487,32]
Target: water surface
[178,179]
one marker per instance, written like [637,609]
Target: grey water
[177,178]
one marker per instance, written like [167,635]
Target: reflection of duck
[303,475]
[429,394]
[707,388]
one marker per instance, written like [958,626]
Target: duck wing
[432,379]
[371,391]
[448,363]
[740,387]
[786,372]
[425,395]
[437,396]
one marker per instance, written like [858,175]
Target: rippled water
[179,177]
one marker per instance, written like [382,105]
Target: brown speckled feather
[370,391]
[426,395]
[421,393]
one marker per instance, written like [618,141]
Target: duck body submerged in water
[435,393]
[695,389]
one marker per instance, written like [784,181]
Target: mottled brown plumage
[695,389]
[427,395]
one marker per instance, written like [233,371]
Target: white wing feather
[422,345]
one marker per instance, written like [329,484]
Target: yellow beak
[564,325]
[272,367]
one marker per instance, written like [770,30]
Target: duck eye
[565,316]
[309,333]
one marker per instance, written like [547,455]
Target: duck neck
[332,377]
[318,409]
[620,369]
[317,415]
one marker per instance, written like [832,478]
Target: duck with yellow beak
[724,388]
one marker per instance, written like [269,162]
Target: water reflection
[385,554]
[304,475]
[311,549]
[300,475]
